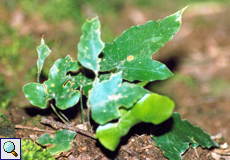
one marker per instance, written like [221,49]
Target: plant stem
[82,111]
[54,109]
[143,83]
[67,120]
[88,120]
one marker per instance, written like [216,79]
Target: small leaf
[43,51]
[58,86]
[131,52]
[82,81]
[90,45]
[151,108]
[176,142]
[61,142]
[106,97]
[36,94]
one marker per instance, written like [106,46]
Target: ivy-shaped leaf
[61,142]
[106,97]
[90,45]
[43,51]
[86,83]
[57,86]
[151,108]
[131,52]
[177,140]
[82,81]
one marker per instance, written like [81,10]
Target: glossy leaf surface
[131,52]
[151,108]
[43,51]
[57,86]
[176,142]
[90,45]
[106,97]
[61,141]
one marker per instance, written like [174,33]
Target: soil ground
[199,56]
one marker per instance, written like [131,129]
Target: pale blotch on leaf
[129,58]
[115,97]
[89,64]
[52,85]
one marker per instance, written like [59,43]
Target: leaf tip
[42,41]
[184,9]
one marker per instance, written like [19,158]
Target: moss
[6,128]
[7,94]
[31,151]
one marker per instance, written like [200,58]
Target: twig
[129,151]
[196,153]
[58,125]
[146,147]
[34,128]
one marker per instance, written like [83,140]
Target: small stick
[126,149]
[146,147]
[58,125]
[35,128]
[196,152]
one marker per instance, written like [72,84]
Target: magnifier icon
[9,147]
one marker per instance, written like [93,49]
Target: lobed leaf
[58,86]
[106,97]
[82,81]
[131,52]
[176,142]
[90,45]
[43,51]
[151,108]
[61,142]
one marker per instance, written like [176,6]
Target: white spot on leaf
[115,97]
[89,64]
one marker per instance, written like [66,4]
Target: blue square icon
[10,148]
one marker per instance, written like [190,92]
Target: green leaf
[90,45]
[151,108]
[36,94]
[131,52]
[61,142]
[82,81]
[176,142]
[106,97]
[43,51]
[58,86]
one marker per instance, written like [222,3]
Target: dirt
[136,145]
[200,54]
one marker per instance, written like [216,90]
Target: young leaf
[90,45]
[43,51]
[151,108]
[57,86]
[61,142]
[106,97]
[131,52]
[176,142]
[82,81]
